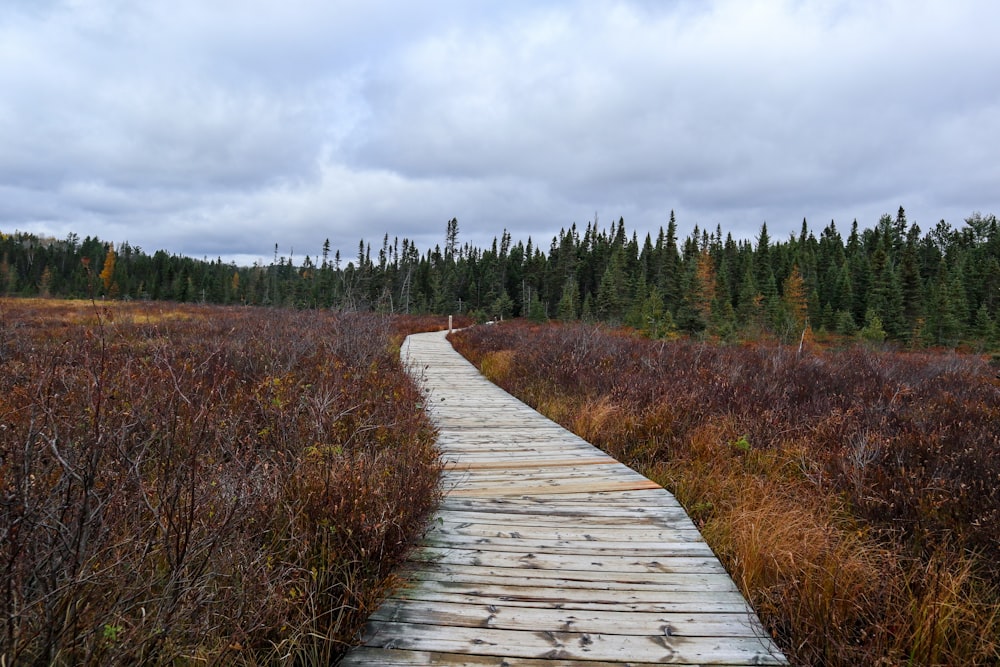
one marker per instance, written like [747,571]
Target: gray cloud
[224,128]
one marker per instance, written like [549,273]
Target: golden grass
[832,591]
[66,312]
[496,365]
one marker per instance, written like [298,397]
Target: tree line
[892,281]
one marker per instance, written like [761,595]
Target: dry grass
[497,365]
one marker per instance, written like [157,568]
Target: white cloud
[222,128]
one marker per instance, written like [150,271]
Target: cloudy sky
[222,127]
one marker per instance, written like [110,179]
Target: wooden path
[547,552]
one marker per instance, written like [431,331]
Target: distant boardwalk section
[546,551]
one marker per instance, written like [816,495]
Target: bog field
[200,485]
[853,494]
[189,484]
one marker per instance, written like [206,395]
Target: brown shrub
[220,484]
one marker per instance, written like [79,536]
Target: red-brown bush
[200,484]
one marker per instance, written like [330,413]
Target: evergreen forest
[890,282]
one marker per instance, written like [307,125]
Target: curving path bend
[546,552]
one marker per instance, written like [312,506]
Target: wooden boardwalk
[547,552]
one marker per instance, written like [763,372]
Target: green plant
[741,444]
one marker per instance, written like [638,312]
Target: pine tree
[704,288]
[899,230]
[859,272]
[794,311]
[451,240]
[587,310]
[655,320]
[668,272]
[829,260]
[700,288]
[762,260]
[873,332]
[748,303]
[503,307]
[611,293]
[985,328]
[536,309]
[911,284]
[886,296]
[764,276]
[844,301]
[568,303]
[844,323]
[946,316]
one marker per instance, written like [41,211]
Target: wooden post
[449,324]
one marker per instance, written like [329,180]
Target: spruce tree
[859,272]
[669,278]
[569,301]
[873,332]
[911,284]
[948,310]
[611,293]
[793,314]
[886,296]
[503,307]
[985,328]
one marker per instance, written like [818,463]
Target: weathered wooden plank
[556,644]
[598,516]
[470,463]
[489,446]
[579,518]
[529,563]
[518,530]
[503,473]
[579,580]
[513,452]
[598,501]
[567,487]
[636,499]
[567,504]
[597,578]
[498,438]
[522,455]
[539,484]
[506,591]
[551,446]
[679,603]
[396,658]
[677,547]
[560,522]
[504,617]
[542,478]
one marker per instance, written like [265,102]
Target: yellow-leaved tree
[108,273]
